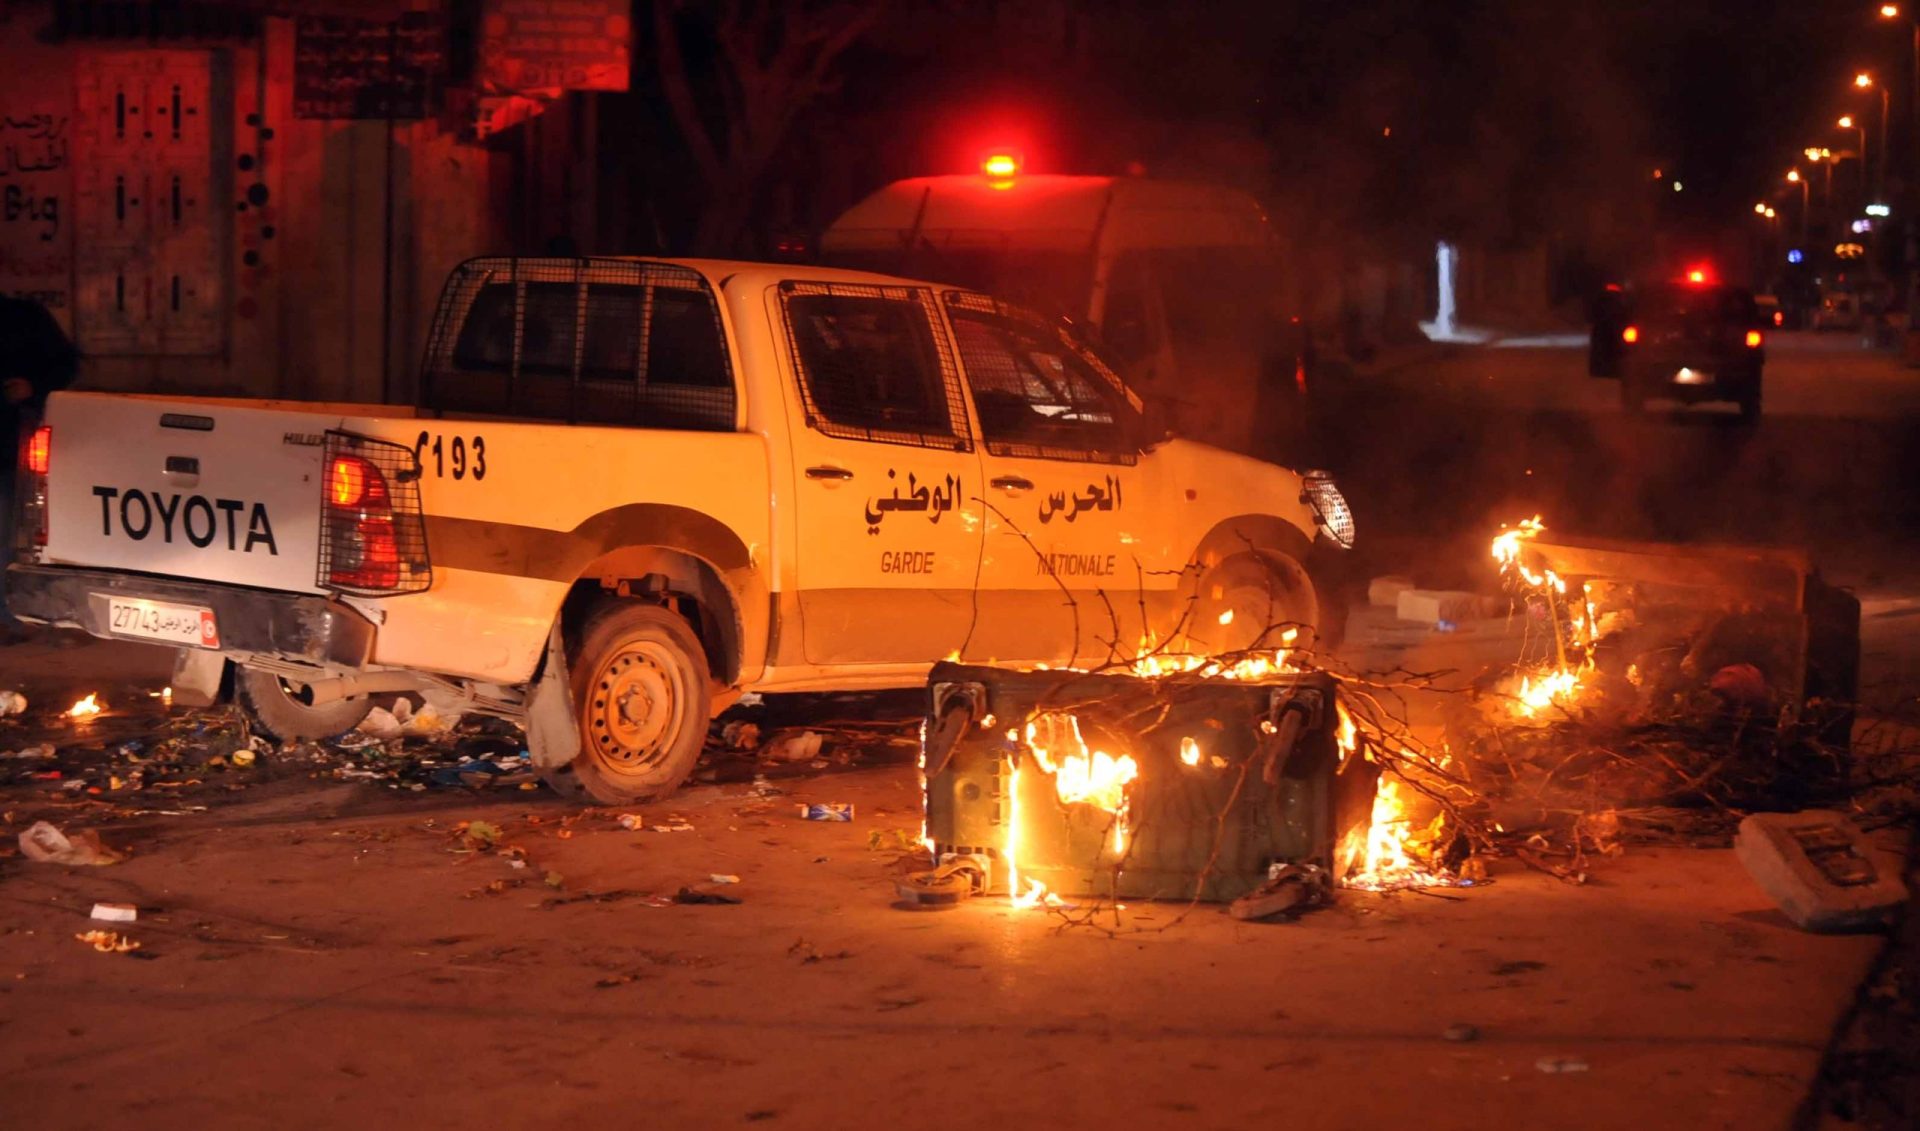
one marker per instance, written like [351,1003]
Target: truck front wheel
[642,695]
[279,709]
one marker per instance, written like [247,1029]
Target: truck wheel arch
[675,577]
[1282,546]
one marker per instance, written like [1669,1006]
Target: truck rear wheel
[279,709]
[642,694]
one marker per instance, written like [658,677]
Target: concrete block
[1430,605]
[1384,592]
[1819,869]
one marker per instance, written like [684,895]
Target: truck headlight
[1329,507]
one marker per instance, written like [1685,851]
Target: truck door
[887,484]
[1074,547]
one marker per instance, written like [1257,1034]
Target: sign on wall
[348,68]
[537,45]
[36,188]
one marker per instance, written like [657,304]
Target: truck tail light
[373,539]
[1630,335]
[1753,339]
[36,458]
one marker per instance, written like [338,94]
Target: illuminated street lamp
[1794,177]
[1864,81]
[1889,11]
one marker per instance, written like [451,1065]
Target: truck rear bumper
[288,625]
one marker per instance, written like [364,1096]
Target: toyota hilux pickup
[632,489]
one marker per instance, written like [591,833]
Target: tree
[756,65]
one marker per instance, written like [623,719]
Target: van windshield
[1049,282]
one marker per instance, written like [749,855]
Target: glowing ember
[86,708]
[1190,752]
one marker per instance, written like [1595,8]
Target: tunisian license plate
[188,625]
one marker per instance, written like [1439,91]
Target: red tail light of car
[372,530]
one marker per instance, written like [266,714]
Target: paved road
[1808,374]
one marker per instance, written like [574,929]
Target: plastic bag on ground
[43,843]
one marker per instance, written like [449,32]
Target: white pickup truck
[634,488]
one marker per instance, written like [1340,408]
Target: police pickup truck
[634,488]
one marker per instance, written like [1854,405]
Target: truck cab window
[870,365]
[1035,394]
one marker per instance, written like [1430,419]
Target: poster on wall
[528,46]
[345,68]
[36,190]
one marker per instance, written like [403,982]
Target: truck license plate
[187,625]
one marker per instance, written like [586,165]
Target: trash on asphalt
[697,896]
[722,878]
[1560,1065]
[35,752]
[380,723]
[12,703]
[631,821]
[115,912]
[835,811]
[797,746]
[48,845]
[108,942]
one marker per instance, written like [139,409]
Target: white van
[1177,279]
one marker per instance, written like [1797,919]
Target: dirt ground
[324,953]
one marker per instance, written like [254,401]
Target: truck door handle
[1012,483]
[828,471]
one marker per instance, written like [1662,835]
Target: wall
[250,253]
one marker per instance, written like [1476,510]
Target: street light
[1794,177]
[1889,11]
[1863,81]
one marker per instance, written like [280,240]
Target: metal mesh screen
[872,365]
[373,533]
[598,341]
[1037,392]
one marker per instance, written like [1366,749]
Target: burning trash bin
[1184,786]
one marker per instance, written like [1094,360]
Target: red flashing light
[1001,165]
[1779,318]
[39,453]
[1753,339]
[1696,276]
[1630,335]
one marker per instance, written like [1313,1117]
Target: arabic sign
[348,68]
[1095,498]
[528,45]
[36,190]
[930,499]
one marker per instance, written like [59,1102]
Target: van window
[871,366]
[590,341]
[1037,394]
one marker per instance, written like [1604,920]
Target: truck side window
[1035,394]
[596,341]
[871,366]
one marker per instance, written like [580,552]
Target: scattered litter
[632,821]
[424,723]
[115,912]
[108,942]
[808,954]
[837,811]
[554,880]
[29,753]
[672,825]
[722,878]
[480,834]
[802,746]
[692,895]
[242,758]
[1461,1032]
[12,703]
[741,735]
[1560,1065]
[48,845]
[381,724]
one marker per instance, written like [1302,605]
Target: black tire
[1265,593]
[643,698]
[276,710]
[1750,404]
